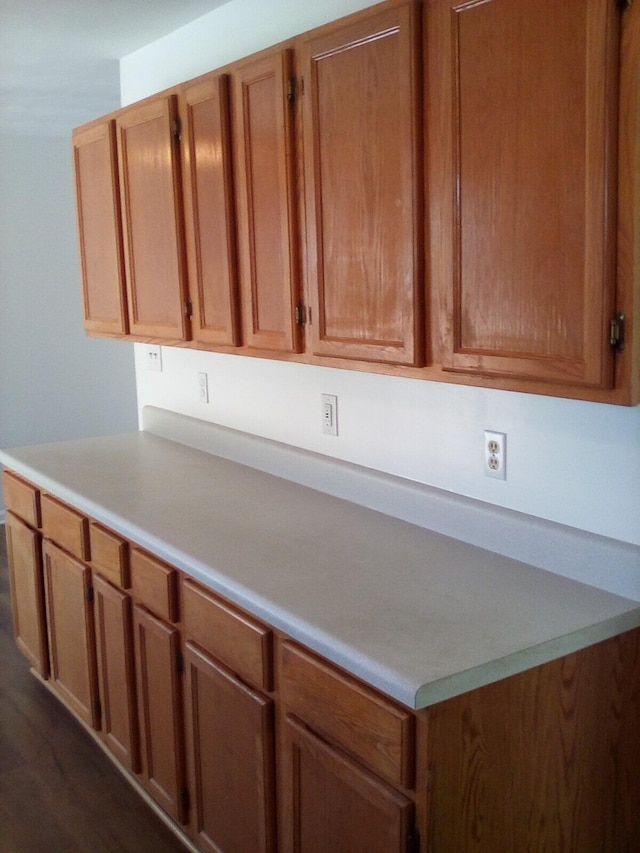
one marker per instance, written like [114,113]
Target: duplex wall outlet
[153,357]
[203,387]
[329,414]
[495,454]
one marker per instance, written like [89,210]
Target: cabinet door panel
[27,592]
[523,152]
[232,754]
[71,633]
[210,211]
[362,184]
[100,228]
[114,641]
[339,806]
[153,220]
[267,226]
[160,711]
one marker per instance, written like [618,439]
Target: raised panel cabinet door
[267,216]
[153,218]
[363,179]
[116,672]
[100,228]
[522,117]
[27,592]
[231,751]
[160,712]
[71,633]
[210,211]
[339,806]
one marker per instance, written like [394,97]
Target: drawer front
[239,642]
[363,722]
[109,555]
[154,584]
[65,526]
[21,498]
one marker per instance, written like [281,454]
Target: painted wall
[55,383]
[571,462]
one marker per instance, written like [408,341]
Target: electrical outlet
[495,454]
[329,414]
[203,387]
[153,357]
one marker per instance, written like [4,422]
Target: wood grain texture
[154,584]
[231,751]
[338,805]
[100,228]
[70,623]
[210,210]
[109,555]
[545,760]
[22,498]
[376,730]
[268,233]
[116,672]
[235,639]
[66,526]
[522,185]
[363,175]
[151,197]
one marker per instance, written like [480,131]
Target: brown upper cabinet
[438,189]
[267,211]
[152,218]
[523,202]
[210,211]
[363,180]
[100,229]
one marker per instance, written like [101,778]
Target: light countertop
[417,614]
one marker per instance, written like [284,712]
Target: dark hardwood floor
[58,792]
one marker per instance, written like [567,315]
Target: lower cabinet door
[159,691]
[231,753]
[71,632]
[27,592]
[337,805]
[116,672]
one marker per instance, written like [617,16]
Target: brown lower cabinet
[250,743]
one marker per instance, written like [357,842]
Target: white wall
[55,383]
[571,462]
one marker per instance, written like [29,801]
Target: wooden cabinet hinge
[616,332]
[413,842]
[188,308]
[176,129]
[295,88]
[186,800]
[98,710]
[179,662]
[90,594]
[303,315]
[625,4]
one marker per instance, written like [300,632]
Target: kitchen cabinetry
[343,742]
[267,202]
[100,229]
[210,211]
[153,221]
[159,682]
[230,720]
[24,551]
[363,176]
[523,119]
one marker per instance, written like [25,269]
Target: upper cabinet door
[522,116]
[363,182]
[153,218]
[210,212]
[267,217]
[100,228]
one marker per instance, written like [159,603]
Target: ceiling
[59,58]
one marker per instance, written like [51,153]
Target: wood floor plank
[58,792]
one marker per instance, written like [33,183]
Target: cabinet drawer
[235,639]
[21,498]
[65,526]
[109,555]
[359,719]
[154,584]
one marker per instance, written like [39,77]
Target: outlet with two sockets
[495,454]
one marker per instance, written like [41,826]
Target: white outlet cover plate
[495,454]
